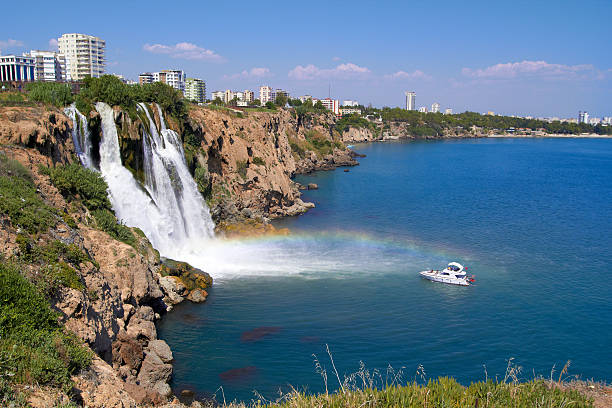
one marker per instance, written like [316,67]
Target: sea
[340,299]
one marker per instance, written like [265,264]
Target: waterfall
[168,208]
[80,136]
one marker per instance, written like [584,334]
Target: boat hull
[449,280]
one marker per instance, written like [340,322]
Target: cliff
[109,289]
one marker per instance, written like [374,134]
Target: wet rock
[197,295]
[313,186]
[173,288]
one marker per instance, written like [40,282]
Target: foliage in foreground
[19,200]
[34,348]
[443,392]
[52,93]
[77,183]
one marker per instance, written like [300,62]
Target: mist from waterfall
[168,208]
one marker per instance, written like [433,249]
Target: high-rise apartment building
[349,102]
[145,78]
[265,94]
[448,111]
[50,66]
[423,109]
[410,100]
[84,55]
[248,96]
[17,68]
[173,77]
[331,104]
[583,117]
[435,107]
[218,95]
[195,89]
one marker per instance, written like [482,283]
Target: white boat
[453,274]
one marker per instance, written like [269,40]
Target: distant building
[248,96]
[349,110]
[173,77]
[278,92]
[594,121]
[145,78]
[265,94]
[304,98]
[218,95]
[448,111]
[423,109]
[84,55]
[17,68]
[410,100]
[331,104]
[350,103]
[607,120]
[195,89]
[435,107]
[583,117]
[491,113]
[50,65]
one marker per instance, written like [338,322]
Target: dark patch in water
[258,333]
[310,339]
[191,318]
[238,374]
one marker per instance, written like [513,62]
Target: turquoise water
[531,218]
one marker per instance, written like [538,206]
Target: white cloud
[408,75]
[53,46]
[184,50]
[342,71]
[10,43]
[527,69]
[252,73]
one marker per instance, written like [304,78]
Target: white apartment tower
[410,100]
[265,94]
[583,117]
[173,77]
[84,55]
[435,107]
[50,66]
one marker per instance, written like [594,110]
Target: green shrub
[241,168]
[19,201]
[107,222]
[33,346]
[259,161]
[202,179]
[77,182]
[52,93]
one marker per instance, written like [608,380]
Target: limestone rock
[197,295]
[161,349]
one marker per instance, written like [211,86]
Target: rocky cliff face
[243,164]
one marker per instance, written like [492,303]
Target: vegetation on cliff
[81,185]
[433,124]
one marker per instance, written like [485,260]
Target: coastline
[551,136]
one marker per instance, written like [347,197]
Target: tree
[281,100]
[270,105]
[295,102]
[255,102]
[319,105]
[218,102]
[233,102]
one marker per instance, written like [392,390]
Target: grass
[34,348]
[387,389]
[241,168]
[87,187]
[19,200]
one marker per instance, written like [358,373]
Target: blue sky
[520,57]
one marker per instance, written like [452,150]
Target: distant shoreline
[555,135]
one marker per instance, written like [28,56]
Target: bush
[241,168]
[107,222]
[259,161]
[52,93]
[19,201]
[33,346]
[77,182]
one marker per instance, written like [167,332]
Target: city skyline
[523,65]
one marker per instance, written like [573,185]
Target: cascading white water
[168,208]
[80,136]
